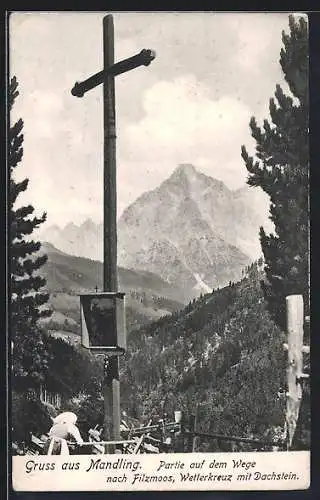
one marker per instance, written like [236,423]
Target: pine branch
[22,212]
[15,131]
[13,92]
[27,284]
[22,227]
[16,189]
[23,248]
[31,265]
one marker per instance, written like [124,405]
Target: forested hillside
[223,352]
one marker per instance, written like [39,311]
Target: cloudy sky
[213,71]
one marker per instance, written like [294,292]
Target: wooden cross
[110,279]
[106,77]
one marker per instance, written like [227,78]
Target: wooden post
[110,172]
[110,279]
[295,322]
[190,428]
[233,446]
[195,440]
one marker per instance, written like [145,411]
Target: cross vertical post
[111,384]
[111,390]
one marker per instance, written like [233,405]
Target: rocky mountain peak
[71,227]
[191,230]
[88,224]
[186,169]
[188,178]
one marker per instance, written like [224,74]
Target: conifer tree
[28,300]
[281,169]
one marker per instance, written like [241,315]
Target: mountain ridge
[191,229]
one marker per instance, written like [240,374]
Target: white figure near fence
[64,430]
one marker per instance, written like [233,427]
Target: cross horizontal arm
[144,58]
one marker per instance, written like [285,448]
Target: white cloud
[182,124]
[193,104]
[43,110]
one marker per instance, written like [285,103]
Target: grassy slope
[68,276]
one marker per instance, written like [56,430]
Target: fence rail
[235,439]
